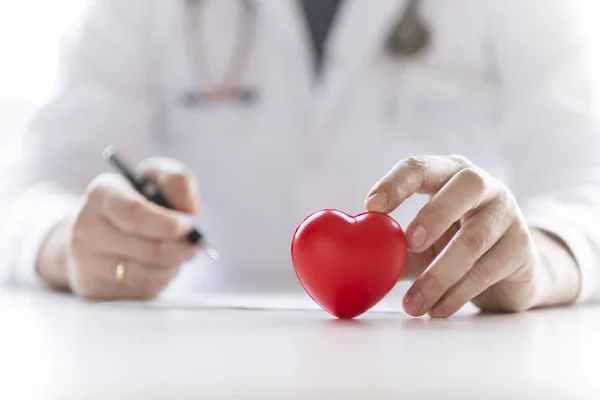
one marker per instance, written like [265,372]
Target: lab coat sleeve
[102,97]
[546,59]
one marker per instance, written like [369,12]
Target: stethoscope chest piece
[410,35]
[240,95]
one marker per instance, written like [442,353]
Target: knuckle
[432,282]
[139,249]
[98,188]
[522,238]
[475,178]
[481,274]
[503,194]
[462,160]
[510,199]
[160,252]
[474,242]
[417,164]
[434,212]
[132,210]
[502,208]
[171,228]
[94,195]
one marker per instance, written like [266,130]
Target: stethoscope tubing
[408,38]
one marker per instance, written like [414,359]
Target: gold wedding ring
[120,272]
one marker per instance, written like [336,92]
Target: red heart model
[348,264]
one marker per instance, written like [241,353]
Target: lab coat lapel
[290,36]
[358,34]
[283,16]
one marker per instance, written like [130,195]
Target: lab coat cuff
[36,214]
[582,250]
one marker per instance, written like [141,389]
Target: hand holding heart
[468,243]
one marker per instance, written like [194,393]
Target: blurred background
[29,46]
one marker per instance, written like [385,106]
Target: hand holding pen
[149,189]
[118,243]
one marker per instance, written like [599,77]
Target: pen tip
[211,252]
[108,152]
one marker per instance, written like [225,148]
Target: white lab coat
[509,84]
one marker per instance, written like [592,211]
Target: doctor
[471,121]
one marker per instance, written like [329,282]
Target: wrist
[558,277]
[51,264]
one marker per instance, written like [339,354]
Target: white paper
[253,301]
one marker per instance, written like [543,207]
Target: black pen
[152,193]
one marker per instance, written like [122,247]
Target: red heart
[348,264]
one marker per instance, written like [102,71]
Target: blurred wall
[30,32]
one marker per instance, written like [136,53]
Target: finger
[498,263]
[98,281]
[465,191]
[176,182]
[425,174]
[417,263]
[159,254]
[474,238]
[143,281]
[131,213]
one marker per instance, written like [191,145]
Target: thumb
[177,183]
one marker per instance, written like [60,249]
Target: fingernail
[413,303]
[378,200]
[418,237]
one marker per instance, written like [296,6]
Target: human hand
[115,224]
[470,242]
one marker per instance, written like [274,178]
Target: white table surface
[56,347]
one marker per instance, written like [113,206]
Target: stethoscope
[408,37]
